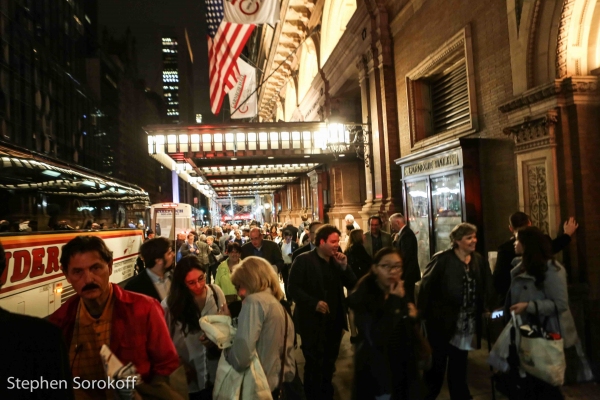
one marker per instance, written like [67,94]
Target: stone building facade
[473,110]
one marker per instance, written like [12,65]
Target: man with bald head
[266,249]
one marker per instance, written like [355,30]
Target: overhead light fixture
[51,173]
[345,138]
[270,157]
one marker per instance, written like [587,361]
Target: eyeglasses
[199,280]
[390,267]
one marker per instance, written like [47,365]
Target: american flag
[225,43]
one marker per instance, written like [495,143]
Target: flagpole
[316,29]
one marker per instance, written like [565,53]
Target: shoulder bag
[541,355]
[293,390]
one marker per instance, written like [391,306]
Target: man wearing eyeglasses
[131,324]
[155,280]
[316,283]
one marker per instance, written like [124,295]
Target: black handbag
[293,390]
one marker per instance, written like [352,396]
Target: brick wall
[436,22]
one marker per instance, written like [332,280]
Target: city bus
[44,204]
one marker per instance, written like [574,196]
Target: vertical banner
[244,92]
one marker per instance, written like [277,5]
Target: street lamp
[344,138]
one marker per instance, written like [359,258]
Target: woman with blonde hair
[262,323]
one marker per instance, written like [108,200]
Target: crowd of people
[409,329]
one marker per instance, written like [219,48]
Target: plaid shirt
[138,332]
[84,353]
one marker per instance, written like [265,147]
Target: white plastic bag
[248,385]
[544,359]
[499,353]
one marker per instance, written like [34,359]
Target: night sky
[147,19]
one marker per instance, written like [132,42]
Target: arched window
[290,100]
[308,68]
[336,14]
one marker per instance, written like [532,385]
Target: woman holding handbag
[538,293]
[386,353]
[264,326]
[189,299]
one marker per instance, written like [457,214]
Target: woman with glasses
[455,290]
[189,299]
[385,360]
[226,268]
[262,323]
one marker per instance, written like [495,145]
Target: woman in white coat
[261,323]
[189,299]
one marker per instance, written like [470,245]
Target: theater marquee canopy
[246,159]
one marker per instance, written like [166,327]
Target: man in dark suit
[316,283]
[406,241]
[312,229]
[263,248]
[376,239]
[155,280]
[506,251]
[28,356]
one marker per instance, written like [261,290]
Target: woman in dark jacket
[456,284]
[358,258]
[385,360]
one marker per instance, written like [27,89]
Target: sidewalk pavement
[478,377]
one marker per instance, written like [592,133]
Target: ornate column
[383,115]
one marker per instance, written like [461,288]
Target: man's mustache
[90,286]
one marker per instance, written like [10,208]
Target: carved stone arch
[336,14]
[578,28]
[308,68]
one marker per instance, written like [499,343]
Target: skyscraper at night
[177,77]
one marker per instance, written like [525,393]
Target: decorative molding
[534,133]
[563,38]
[537,196]
[560,87]
[430,64]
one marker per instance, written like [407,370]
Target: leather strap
[283,357]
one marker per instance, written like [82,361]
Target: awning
[249,159]
[24,170]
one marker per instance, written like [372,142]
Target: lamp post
[343,138]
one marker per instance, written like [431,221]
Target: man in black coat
[406,241]
[155,280]
[263,248]
[32,349]
[316,283]
[312,229]
[506,251]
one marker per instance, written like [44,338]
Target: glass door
[417,202]
[446,199]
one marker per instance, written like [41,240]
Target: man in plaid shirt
[131,324]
